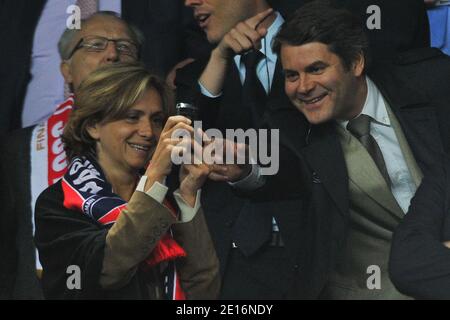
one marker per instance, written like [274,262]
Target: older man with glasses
[103,38]
[33,158]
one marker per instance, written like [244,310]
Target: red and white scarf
[87,190]
[48,161]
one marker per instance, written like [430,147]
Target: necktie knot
[359,126]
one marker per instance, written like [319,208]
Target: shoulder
[192,70]
[52,197]
[422,56]
[425,70]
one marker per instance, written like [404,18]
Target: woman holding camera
[107,232]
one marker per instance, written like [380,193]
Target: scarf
[86,190]
[48,161]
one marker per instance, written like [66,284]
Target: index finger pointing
[255,21]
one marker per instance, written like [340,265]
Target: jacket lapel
[319,146]
[363,172]
[324,155]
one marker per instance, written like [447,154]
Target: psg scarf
[87,190]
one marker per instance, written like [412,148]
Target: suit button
[229,224]
[296,267]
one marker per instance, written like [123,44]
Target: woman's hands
[171,143]
[192,177]
[161,162]
[177,141]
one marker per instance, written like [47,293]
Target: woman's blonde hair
[106,95]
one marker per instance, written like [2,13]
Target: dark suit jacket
[417,92]
[15,192]
[419,262]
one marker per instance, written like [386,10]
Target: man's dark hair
[321,21]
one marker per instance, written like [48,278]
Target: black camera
[188,110]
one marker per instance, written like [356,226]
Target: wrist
[152,178]
[189,197]
[219,55]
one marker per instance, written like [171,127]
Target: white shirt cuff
[157,191]
[251,182]
[187,213]
[206,92]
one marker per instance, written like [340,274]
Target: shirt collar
[271,33]
[374,106]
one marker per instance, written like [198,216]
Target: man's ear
[64,67]
[358,65]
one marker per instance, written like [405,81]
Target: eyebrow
[289,72]
[315,64]
[308,68]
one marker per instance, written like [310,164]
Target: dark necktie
[253,93]
[360,128]
[252,228]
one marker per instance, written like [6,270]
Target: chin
[214,35]
[212,39]
[316,118]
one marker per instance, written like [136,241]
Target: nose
[192,3]
[112,55]
[145,129]
[305,85]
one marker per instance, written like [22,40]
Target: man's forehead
[306,53]
[105,25]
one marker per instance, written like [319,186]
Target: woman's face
[126,145]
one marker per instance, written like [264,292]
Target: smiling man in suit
[370,139]
[234,92]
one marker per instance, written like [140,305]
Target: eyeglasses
[98,44]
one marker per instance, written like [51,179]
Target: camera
[188,110]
